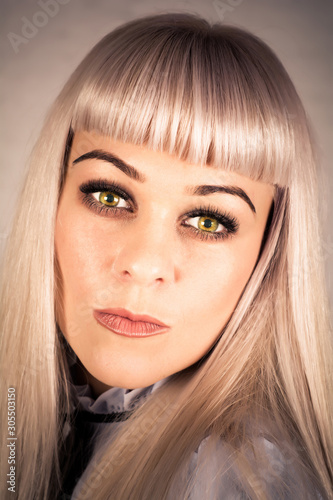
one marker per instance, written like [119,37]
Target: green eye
[108,198]
[208,224]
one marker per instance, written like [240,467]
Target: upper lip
[119,311]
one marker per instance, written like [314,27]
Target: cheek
[220,278]
[81,251]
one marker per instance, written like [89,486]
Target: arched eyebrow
[99,154]
[233,190]
[134,174]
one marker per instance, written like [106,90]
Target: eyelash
[100,185]
[229,222]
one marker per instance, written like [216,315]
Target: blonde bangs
[203,94]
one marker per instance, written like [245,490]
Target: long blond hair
[210,95]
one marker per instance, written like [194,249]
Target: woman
[167,239]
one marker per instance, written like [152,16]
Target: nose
[146,257]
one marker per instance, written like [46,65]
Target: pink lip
[125,323]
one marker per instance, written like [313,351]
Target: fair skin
[152,257]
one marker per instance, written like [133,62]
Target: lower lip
[128,328]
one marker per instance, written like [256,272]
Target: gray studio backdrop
[42,41]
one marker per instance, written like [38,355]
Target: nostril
[139,263]
[126,273]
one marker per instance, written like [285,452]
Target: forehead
[157,165]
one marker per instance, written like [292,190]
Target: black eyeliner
[95,186]
[226,219]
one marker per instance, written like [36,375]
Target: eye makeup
[208,216]
[102,186]
[229,223]
[95,186]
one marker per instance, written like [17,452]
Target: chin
[129,376]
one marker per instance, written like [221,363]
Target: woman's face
[154,254]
